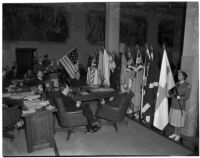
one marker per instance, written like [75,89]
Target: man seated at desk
[72,105]
[124,92]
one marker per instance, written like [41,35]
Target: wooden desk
[92,96]
[39,129]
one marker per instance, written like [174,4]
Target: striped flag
[92,74]
[68,62]
[166,82]
[151,75]
[112,62]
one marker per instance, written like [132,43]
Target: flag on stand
[68,62]
[166,82]
[139,63]
[106,68]
[123,69]
[137,83]
[150,87]
[100,67]
[112,62]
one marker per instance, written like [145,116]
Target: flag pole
[164,46]
[136,61]
[143,76]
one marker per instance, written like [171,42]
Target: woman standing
[177,111]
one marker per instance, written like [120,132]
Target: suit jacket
[38,67]
[35,82]
[76,83]
[118,97]
[70,104]
[183,90]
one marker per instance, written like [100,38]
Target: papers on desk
[20,95]
[44,103]
[32,104]
[35,104]
[31,97]
[84,93]
[28,111]
[102,90]
[6,94]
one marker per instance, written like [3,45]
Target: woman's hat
[184,73]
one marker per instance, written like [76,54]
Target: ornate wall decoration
[133,30]
[95,27]
[166,32]
[29,22]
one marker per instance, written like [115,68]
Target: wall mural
[95,27]
[133,30]
[166,32]
[25,22]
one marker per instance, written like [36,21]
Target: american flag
[68,62]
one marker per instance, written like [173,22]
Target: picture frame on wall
[34,22]
[95,27]
[133,30]
[166,32]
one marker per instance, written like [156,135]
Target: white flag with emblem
[166,82]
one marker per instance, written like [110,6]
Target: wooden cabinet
[39,129]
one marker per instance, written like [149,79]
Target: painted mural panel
[95,27]
[133,30]
[29,22]
[166,32]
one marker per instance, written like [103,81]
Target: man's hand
[178,97]
[102,101]
[111,98]
[78,104]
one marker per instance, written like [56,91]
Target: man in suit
[72,105]
[39,66]
[77,82]
[124,93]
[39,79]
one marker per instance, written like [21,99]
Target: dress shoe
[177,138]
[92,129]
[172,136]
[95,128]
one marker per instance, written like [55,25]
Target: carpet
[18,146]
[131,140]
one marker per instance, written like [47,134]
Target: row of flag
[149,82]
[106,64]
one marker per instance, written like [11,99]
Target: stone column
[112,27]
[190,63]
